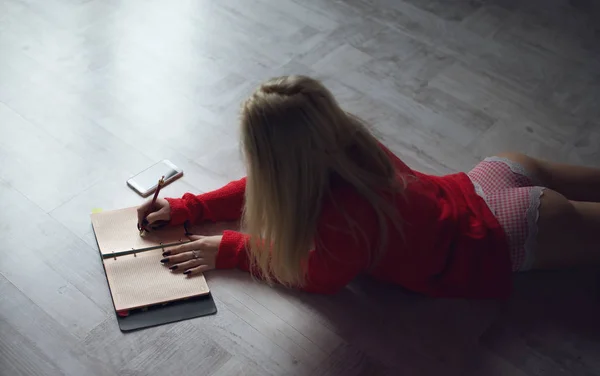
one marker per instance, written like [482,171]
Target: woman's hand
[157,215]
[193,258]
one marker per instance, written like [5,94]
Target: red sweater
[451,245]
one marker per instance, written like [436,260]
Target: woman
[324,201]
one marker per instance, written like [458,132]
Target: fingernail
[187,272]
[188,233]
[167,253]
[173,267]
[164,260]
[144,222]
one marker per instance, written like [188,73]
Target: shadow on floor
[549,325]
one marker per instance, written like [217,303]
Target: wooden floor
[93,91]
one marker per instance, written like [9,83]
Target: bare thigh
[568,233]
[576,183]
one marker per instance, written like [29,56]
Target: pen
[161,182]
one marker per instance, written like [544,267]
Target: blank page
[140,280]
[116,231]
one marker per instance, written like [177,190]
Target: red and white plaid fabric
[514,198]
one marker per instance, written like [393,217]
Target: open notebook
[139,279]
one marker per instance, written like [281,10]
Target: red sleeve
[341,253]
[224,204]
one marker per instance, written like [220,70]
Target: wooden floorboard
[93,91]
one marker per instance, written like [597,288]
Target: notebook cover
[172,312]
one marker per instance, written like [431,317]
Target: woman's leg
[568,233]
[545,229]
[576,183]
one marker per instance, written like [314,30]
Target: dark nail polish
[167,253]
[173,267]
[145,222]
[188,233]
[187,272]
[164,260]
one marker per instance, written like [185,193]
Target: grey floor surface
[91,92]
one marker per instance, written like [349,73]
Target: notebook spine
[134,252]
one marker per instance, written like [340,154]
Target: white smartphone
[145,182]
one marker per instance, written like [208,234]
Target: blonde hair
[295,138]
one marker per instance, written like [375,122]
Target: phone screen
[148,179]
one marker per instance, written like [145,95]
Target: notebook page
[116,231]
[141,280]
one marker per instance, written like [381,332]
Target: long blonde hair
[295,138]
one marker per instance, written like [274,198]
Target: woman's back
[446,230]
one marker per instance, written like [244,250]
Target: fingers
[189,260]
[159,215]
[180,258]
[153,216]
[183,266]
[197,270]
[158,224]
[141,211]
[196,244]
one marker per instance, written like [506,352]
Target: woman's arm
[340,254]
[331,266]
[223,204]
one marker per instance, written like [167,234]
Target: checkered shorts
[513,196]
